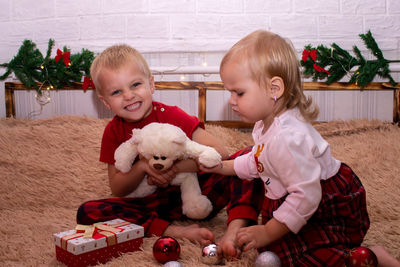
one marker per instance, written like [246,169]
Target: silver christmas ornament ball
[268,259]
[172,264]
[210,255]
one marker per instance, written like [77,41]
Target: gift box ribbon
[95,231]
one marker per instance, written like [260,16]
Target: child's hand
[215,169]
[224,168]
[252,237]
[161,179]
[257,236]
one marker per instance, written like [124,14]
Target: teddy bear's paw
[198,208]
[210,158]
[122,166]
[124,156]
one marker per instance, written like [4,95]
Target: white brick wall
[204,28]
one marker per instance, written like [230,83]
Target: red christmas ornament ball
[361,257]
[166,249]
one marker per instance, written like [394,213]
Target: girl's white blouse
[291,158]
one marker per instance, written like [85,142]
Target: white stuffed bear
[161,144]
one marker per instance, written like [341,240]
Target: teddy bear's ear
[179,139]
[136,136]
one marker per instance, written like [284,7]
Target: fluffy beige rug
[49,167]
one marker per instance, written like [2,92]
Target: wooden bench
[203,87]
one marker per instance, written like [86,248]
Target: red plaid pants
[339,224]
[242,198]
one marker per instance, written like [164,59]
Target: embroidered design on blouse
[260,167]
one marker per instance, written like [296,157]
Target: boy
[125,85]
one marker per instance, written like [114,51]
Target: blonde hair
[269,55]
[115,57]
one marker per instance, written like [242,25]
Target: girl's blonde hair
[115,57]
[269,55]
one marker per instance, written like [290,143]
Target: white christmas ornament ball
[210,255]
[172,264]
[268,259]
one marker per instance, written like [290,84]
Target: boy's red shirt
[118,130]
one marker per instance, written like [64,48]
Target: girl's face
[127,92]
[248,99]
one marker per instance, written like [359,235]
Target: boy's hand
[161,179]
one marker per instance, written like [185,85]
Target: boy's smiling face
[126,91]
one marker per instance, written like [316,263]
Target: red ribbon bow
[311,53]
[64,56]
[87,81]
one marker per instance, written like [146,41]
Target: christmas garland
[332,64]
[32,68]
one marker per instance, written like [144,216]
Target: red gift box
[97,243]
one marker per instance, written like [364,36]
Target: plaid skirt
[339,224]
[156,211]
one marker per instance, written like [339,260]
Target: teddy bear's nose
[158,166]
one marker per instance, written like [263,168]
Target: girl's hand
[215,169]
[251,237]
[258,236]
[224,168]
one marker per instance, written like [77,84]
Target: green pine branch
[339,62]
[32,68]
[331,64]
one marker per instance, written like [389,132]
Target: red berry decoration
[361,257]
[166,249]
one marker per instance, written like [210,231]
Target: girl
[315,209]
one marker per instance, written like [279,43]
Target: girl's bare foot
[227,245]
[384,258]
[192,232]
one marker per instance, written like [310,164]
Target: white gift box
[109,239]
